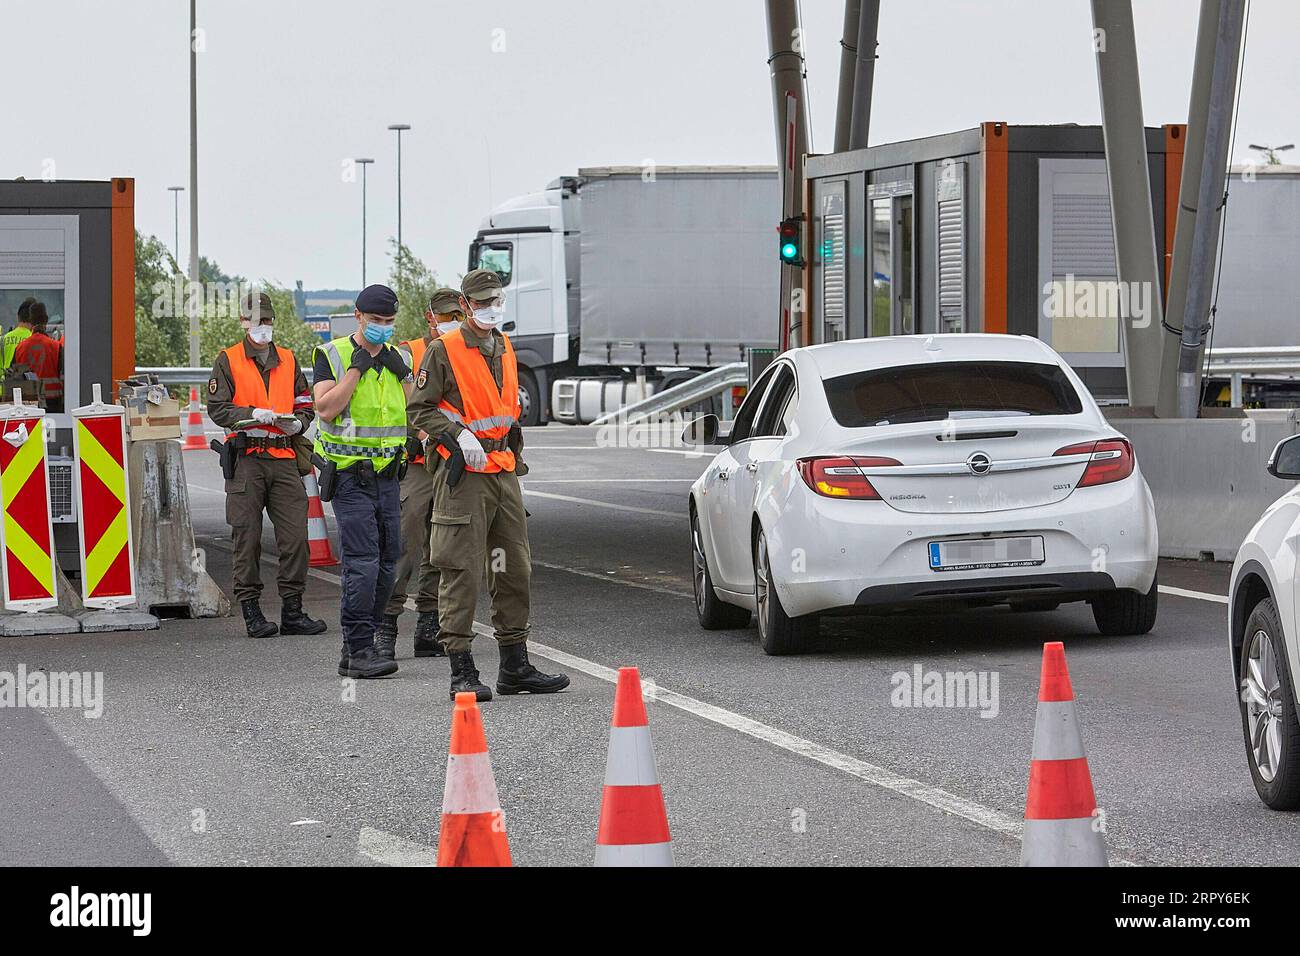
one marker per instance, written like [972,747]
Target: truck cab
[531,241]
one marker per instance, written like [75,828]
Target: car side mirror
[705,430]
[509,326]
[1285,461]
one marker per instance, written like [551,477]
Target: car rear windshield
[923,393]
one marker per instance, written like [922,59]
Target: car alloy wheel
[1263,699]
[762,579]
[698,574]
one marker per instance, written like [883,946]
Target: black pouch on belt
[328,473]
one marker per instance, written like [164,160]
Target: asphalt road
[213,749]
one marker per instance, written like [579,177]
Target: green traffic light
[789,251]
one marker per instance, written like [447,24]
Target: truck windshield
[921,393]
[498,257]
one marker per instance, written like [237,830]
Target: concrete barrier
[1207,476]
[172,571]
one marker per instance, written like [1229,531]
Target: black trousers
[368,510]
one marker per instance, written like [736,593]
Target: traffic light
[790,233]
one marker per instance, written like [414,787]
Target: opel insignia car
[1262,638]
[887,474]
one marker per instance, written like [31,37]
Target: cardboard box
[150,412]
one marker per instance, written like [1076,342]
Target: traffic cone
[633,822]
[473,827]
[319,547]
[1060,828]
[195,440]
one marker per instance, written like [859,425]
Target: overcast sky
[289,90]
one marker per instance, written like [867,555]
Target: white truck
[624,280]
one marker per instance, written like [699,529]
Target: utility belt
[363,471]
[257,443]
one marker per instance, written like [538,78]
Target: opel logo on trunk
[979,463]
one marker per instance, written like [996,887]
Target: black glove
[391,359]
[362,361]
[414,447]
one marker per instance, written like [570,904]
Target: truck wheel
[530,399]
[778,633]
[1125,613]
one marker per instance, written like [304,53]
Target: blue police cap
[377,300]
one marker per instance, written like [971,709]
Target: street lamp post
[399,128]
[363,163]
[1270,152]
[176,222]
[194,186]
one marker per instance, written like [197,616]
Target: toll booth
[972,232]
[71,245]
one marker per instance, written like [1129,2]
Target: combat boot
[517,676]
[364,663]
[386,638]
[426,636]
[255,621]
[464,676]
[294,620]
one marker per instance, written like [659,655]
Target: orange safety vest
[40,353]
[488,413]
[417,348]
[251,390]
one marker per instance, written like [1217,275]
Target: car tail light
[842,477]
[1111,460]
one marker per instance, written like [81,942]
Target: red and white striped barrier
[1061,826]
[473,831]
[633,822]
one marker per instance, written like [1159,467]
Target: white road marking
[1197,595]
[613,580]
[305,823]
[204,488]
[682,451]
[681,516]
[393,850]
[602,481]
[390,847]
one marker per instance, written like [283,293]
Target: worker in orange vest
[443,315]
[466,399]
[43,355]
[259,395]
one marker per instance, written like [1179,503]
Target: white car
[945,471]
[1262,638]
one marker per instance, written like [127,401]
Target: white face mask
[260,334]
[445,327]
[489,316]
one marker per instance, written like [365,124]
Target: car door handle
[724,475]
[752,466]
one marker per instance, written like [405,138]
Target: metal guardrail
[186,376]
[1273,360]
[705,385]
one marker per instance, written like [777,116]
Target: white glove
[290,426]
[264,416]
[475,456]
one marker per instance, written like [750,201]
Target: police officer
[9,344]
[443,315]
[361,389]
[467,400]
[260,384]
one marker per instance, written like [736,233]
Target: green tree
[414,283]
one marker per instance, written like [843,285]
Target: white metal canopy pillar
[1133,220]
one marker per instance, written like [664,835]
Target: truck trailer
[625,280]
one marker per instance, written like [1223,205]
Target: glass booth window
[882,266]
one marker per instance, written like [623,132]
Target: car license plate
[976,553]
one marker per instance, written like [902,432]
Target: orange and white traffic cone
[473,828]
[633,822]
[195,440]
[319,547]
[1062,827]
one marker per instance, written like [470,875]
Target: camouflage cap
[257,304]
[444,301]
[481,285]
